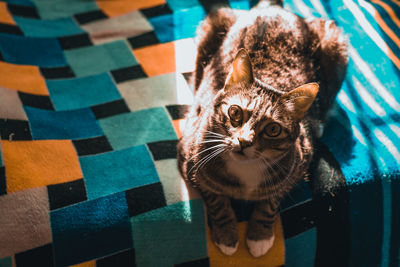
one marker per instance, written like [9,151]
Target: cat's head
[256,120]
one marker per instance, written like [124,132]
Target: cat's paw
[228,250]
[260,247]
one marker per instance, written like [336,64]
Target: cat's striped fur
[253,80]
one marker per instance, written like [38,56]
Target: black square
[110,109]
[177,111]
[90,16]
[129,73]
[122,259]
[75,41]
[23,11]
[41,256]
[57,72]
[65,194]
[156,11]
[15,130]
[3,185]
[145,39]
[36,101]
[196,263]
[210,5]
[145,198]
[188,77]
[91,146]
[163,149]
[12,29]
[298,219]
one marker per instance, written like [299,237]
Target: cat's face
[254,126]
[256,122]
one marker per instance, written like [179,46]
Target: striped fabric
[92,96]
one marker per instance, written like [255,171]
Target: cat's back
[279,45]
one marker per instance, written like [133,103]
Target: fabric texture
[92,97]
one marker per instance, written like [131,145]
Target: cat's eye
[273,130]
[236,115]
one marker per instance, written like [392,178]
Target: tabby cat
[264,81]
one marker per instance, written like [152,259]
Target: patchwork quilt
[92,96]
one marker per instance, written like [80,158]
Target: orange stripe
[5,16]
[371,32]
[372,11]
[31,164]
[396,2]
[389,10]
[120,7]
[24,78]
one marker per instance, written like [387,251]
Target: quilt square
[30,208]
[65,194]
[137,128]
[145,198]
[118,171]
[37,101]
[3,186]
[5,16]
[31,164]
[14,130]
[91,229]
[124,258]
[41,256]
[128,25]
[92,146]
[57,72]
[174,234]
[100,58]
[48,28]
[82,92]
[179,25]
[6,262]
[43,52]
[62,8]
[110,109]
[71,124]
[32,82]
[170,89]
[11,106]
[113,9]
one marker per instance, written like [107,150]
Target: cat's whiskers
[202,162]
[205,150]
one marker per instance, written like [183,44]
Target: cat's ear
[242,71]
[299,100]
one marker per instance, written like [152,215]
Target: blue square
[179,4]
[138,128]
[91,229]
[173,234]
[73,124]
[82,92]
[179,25]
[42,52]
[48,28]
[118,171]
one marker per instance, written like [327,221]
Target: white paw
[228,250]
[260,247]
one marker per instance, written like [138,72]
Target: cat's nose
[244,143]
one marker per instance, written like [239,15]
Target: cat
[264,81]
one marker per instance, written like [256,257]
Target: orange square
[91,263]
[5,16]
[23,78]
[177,127]
[157,59]
[274,257]
[118,7]
[31,164]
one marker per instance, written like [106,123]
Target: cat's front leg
[260,231]
[223,222]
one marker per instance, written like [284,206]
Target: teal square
[97,59]
[53,9]
[137,128]
[82,92]
[118,171]
[48,28]
[174,234]
[6,262]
